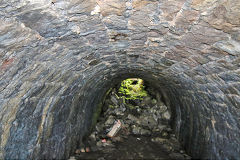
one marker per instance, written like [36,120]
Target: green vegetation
[111,106]
[97,111]
[132,89]
[96,114]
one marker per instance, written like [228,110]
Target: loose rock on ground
[144,132]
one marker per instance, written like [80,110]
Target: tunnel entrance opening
[133,122]
[132,91]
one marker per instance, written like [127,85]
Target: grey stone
[133,119]
[110,120]
[176,156]
[58,60]
[167,148]
[99,144]
[148,122]
[94,148]
[99,127]
[147,100]
[164,134]
[114,100]
[166,115]
[163,108]
[145,132]
[162,127]
[159,140]
[154,101]
[72,158]
[93,136]
[117,139]
[119,112]
[136,130]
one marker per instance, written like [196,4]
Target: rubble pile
[131,129]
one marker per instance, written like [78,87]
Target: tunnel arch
[186,125]
[55,70]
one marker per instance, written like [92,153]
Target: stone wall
[58,59]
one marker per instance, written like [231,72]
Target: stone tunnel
[58,59]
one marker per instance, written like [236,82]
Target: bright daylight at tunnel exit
[120,79]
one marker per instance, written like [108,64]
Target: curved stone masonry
[58,59]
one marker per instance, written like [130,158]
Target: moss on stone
[98,109]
